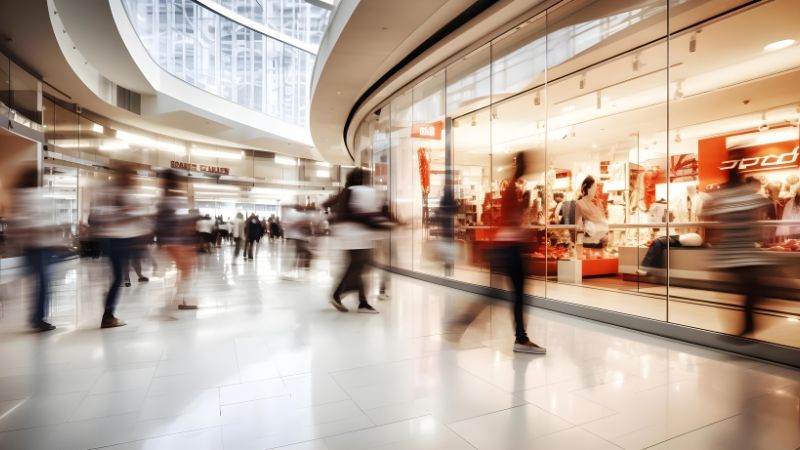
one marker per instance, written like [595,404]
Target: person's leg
[38,260]
[748,279]
[517,277]
[345,283]
[363,260]
[237,249]
[117,254]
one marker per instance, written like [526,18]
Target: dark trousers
[38,260]
[515,270]
[238,247]
[656,254]
[748,284]
[353,277]
[118,255]
[251,244]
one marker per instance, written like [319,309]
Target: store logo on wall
[199,167]
[431,130]
[762,158]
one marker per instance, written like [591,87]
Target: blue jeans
[118,255]
[38,260]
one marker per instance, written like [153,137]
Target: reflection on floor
[779,320]
[266,362]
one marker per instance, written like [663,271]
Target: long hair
[587,184]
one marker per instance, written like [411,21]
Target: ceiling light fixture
[136,139]
[97,128]
[323,164]
[285,160]
[678,138]
[170,147]
[599,100]
[762,125]
[474,121]
[582,82]
[693,42]
[323,173]
[779,45]
[679,91]
[537,100]
[114,146]
[209,153]
[636,65]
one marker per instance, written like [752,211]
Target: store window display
[631,138]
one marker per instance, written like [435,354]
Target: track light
[636,63]
[474,121]
[537,100]
[762,126]
[678,138]
[693,42]
[582,82]
[679,90]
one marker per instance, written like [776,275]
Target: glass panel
[606,154]
[5,86]
[734,103]
[519,59]
[428,149]
[403,168]
[26,98]
[518,125]
[222,57]
[472,175]
[468,83]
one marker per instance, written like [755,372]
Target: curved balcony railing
[224,57]
[298,19]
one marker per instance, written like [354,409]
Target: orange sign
[431,130]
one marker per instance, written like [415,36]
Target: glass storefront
[632,112]
[81,151]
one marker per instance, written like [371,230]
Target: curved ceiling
[368,38]
[59,41]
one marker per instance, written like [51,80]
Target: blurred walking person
[512,239]
[736,207]
[238,234]
[33,227]
[299,230]
[254,231]
[356,211]
[115,221]
[175,233]
[138,249]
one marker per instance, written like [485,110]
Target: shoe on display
[42,326]
[143,279]
[366,308]
[529,347]
[112,323]
[337,303]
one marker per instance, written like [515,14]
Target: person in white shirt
[32,224]
[114,219]
[237,232]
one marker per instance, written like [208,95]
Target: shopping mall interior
[192,192]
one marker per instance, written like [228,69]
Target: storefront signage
[761,158]
[200,167]
[432,130]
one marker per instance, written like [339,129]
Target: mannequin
[589,217]
[790,212]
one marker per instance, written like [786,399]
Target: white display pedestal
[570,270]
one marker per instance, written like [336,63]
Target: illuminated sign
[431,130]
[779,156]
[200,168]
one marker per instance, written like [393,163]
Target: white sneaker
[529,347]
[383,297]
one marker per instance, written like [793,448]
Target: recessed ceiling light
[778,45]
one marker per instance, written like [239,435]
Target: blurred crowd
[127,231]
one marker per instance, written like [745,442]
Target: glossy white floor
[267,363]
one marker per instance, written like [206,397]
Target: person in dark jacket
[254,232]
